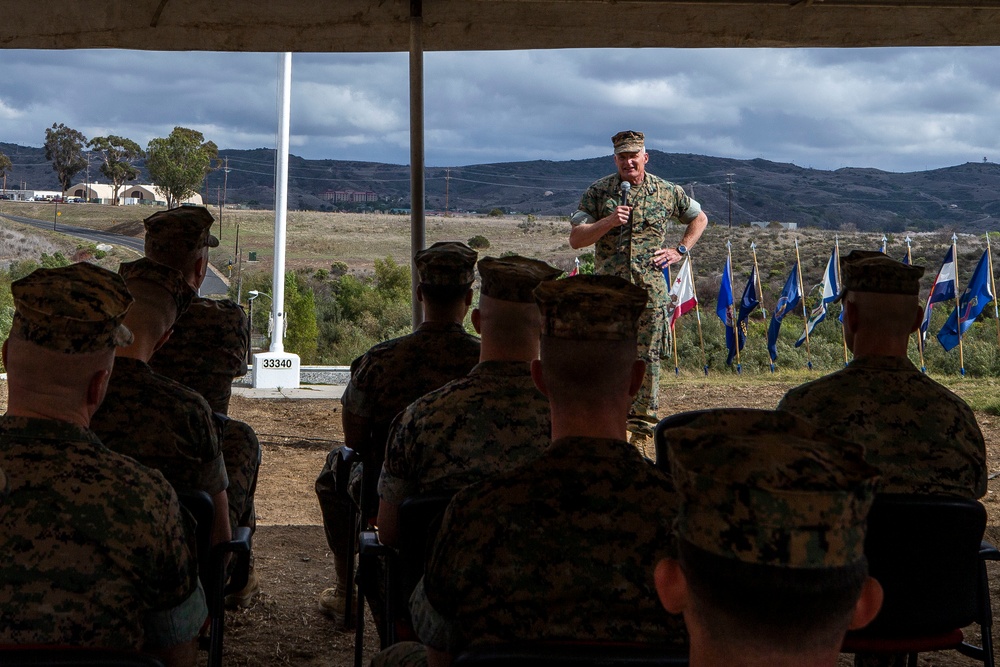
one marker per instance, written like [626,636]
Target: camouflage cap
[72,309]
[185,228]
[514,278]
[628,141]
[873,271]
[169,279]
[599,307]
[446,263]
[769,488]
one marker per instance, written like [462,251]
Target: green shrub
[479,242]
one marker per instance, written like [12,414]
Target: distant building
[768,223]
[128,195]
[353,196]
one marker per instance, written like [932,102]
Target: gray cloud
[895,109]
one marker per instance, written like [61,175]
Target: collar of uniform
[36,428]
[502,368]
[579,446]
[440,326]
[883,363]
[130,366]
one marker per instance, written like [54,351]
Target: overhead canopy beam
[476,25]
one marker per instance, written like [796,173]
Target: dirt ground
[284,627]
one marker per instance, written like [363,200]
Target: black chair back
[419,520]
[924,550]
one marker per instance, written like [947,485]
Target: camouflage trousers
[339,495]
[402,654]
[241,451]
[652,336]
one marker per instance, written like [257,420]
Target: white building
[128,195]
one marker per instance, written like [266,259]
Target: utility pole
[729,182]
[447,182]
[225,183]
[88,177]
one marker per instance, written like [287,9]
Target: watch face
[682,249]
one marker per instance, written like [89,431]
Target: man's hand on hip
[666,256]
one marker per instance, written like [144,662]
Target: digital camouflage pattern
[242,454]
[768,488]
[874,271]
[171,280]
[184,228]
[466,431]
[921,437]
[627,252]
[161,424]
[513,278]
[446,263]
[90,544]
[71,309]
[629,141]
[207,349]
[561,548]
[598,307]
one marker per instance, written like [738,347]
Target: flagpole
[843,334]
[884,241]
[760,292]
[958,307]
[805,313]
[993,286]
[673,339]
[920,334]
[732,308]
[697,314]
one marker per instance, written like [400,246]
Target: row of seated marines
[118,392]
[744,545]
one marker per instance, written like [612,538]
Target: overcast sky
[904,109]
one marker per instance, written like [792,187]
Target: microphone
[625,187]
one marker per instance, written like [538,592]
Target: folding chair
[928,554]
[67,656]
[212,567]
[573,654]
[419,519]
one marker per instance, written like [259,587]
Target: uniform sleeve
[397,482]
[211,476]
[355,398]
[591,204]
[687,208]
[432,628]
[176,597]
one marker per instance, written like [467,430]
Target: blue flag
[748,303]
[724,308]
[943,289]
[831,289]
[787,302]
[975,297]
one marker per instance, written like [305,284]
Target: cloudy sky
[894,109]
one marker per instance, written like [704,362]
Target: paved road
[213,284]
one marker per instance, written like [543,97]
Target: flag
[724,309]
[943,289]
[906,258]
[787,302]
[748,303]
[576,267]
[682,297]
[831,288]
[976,296]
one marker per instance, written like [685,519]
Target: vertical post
[281,206]
[417,228]
[729,182]
[993,285]
[958,307]
[840,288]
[732,307]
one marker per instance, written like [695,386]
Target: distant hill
[961,198]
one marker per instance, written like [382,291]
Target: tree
[179,163]
[5,168]
[64,149]
[119,155]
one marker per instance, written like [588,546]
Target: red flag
[682,298]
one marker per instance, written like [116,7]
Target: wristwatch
[682,249]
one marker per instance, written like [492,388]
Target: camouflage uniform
[219,332]
[563,548]
[163,425]
[627,252]
[466,431]
[922,437]
[93,547]
[207,350]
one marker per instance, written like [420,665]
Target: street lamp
[253,294]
